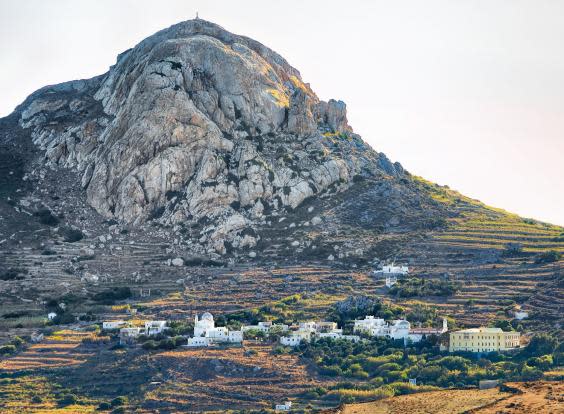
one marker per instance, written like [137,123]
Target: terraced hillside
[497,258]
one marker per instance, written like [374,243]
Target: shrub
[119,401]
[541,344]
[331,371]
[12,274]
[544,362]
[7,349]
[46,217]
[513,249]
[104,406]
[150,345]
[67,399]
[36,399]
[17,341]
[111,295]
[548,257]
[530,373]
[71,235]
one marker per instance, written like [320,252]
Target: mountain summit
[198,125]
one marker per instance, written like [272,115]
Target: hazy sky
[464,93]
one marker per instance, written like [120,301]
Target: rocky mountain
[196,126]
[201,174]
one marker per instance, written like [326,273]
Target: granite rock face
[196,124]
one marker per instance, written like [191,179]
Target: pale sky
[464,93]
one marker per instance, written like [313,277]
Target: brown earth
[522,398]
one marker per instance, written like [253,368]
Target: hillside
[524,398]
[202,174]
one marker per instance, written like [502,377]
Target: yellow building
[483,340]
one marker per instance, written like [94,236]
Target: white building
[393,270]
[235,337]
[51,316]
[521,314]
[417,334]
[308,330]
[109,325]
[204,324]
[205,328]
[326,327]
[265,327]
[369,325]
[219,334]
[287,406]
[338,334]
[297,337]
[199,341]
[37,337]
[391,280]
[154,327]
[398,329]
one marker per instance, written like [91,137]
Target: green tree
[541,344]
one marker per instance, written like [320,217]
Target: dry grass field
[61,349]
[212,379]
[435,402]
[527,398]
[536,397]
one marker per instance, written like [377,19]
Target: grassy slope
[472,248]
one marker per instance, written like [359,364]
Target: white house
[398,329]
[391,280]
[393,270]
[109,325]
[265,327]
[521,314]
[219,334]
[369,325]
[296,337]
[205,328]
[309,325]
[235,337]
[417,334]
[287,406]
[199,341]
[51,316]
[338,334]
[308,330]
[204,324]
[352,338]
[325,326]
[261,326]
[154,327]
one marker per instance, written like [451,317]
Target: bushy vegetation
[380,362]
[416,286]
[164,343]
[12,274]
[110,296]
[548,257]
[46,217]
[71,235]
[13,346]
[355,307]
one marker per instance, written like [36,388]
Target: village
[207,334]
[203,333]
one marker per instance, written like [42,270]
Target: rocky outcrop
[198,125]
